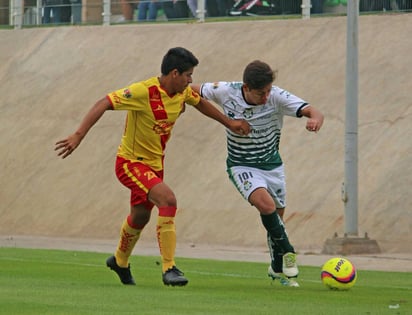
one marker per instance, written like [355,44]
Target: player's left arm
[315,118]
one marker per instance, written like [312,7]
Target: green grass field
[67,282]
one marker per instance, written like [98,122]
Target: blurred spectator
[175,9]
[192,4]
[148,10]
[128,8]
[52,11]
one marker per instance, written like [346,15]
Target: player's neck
[166,85]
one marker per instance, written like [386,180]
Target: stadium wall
[50,77]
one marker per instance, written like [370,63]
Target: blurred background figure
[148,10]
[175,9]
[192,4]
[128,8]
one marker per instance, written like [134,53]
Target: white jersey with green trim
[260,148]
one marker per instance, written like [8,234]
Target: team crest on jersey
[248,113]
[231,114]
[247,185]
[163,127]
[126,93]
[158,107]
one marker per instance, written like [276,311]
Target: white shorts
[248,179]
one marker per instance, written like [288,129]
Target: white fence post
[17,15]
[39,12]
[201,10]
[306,6]
[106,12]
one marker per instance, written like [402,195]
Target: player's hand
[67,146]
[313,125]
[240,127]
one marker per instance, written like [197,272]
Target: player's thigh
[262,200]
[276,185]
[248,182]
[139,178]
[246,179]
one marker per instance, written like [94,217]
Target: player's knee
[170,200]
[265,208]
[162,196]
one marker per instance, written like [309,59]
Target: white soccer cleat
[290,282]
[290,268]
[287,282]
[274,275]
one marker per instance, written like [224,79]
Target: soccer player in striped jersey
[254,164]
[153,107]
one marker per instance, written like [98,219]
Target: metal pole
[306,6]
[350,189]
[17,13]
[38,12]
[201,10]
[107,13]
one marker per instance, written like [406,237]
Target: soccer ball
[338,274]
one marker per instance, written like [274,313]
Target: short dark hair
[258,74]
[178,58]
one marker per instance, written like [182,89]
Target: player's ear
[175,73]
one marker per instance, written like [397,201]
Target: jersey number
[245,176]
[149,175]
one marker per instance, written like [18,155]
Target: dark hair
[258,74]
[178,58]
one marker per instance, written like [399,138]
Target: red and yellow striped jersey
[151,115]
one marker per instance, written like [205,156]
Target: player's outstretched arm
[315,120]
[66,146]
[238,126]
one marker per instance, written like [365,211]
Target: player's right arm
[196,88]
[66,146]
[238,126]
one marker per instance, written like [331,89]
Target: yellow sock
[128,239]
[166,236]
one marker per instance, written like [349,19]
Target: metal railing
[22,13]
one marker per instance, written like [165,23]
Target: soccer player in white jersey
[254,164]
